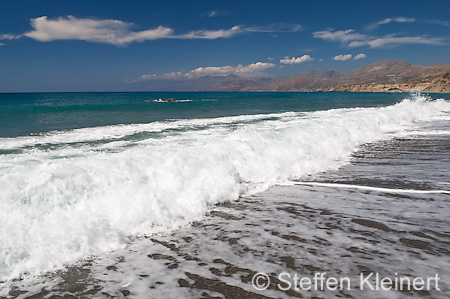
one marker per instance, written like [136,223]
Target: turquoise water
[85,174]
[25,113]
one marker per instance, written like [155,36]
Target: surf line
[381,189]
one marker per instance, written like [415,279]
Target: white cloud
[438,22]
[213,13]
[237,30]
[9,36]
[360,56]
[352,39]
[250,69]
[101,31]
[407,20]
[342,36]
[391,41]
[279,27]
[293,60]
[173,75]
[213,34]
[342,57]
[119,33]
[391,20]
[240,70]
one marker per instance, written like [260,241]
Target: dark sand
[294,229]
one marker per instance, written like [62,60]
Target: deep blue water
[27,113]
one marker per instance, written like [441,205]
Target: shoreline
[293,231]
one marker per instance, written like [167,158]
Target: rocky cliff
[440,83]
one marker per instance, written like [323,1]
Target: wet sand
[298,229]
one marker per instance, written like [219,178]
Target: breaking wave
[70,194]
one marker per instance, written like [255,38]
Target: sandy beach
[341,231]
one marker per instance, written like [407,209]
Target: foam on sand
[389,190]
[70,194]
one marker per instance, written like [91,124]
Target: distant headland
[381,76]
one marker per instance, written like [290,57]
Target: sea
[224,195]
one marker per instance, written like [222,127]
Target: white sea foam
[379,189]
[121,131]
[67,201]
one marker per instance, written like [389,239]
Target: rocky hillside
[381,76]
[440,83]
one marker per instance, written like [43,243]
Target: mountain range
[381,76]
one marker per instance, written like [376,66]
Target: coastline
[440,84]
[283,230]
[381,76]
[175,243]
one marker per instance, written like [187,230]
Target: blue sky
[58,45]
